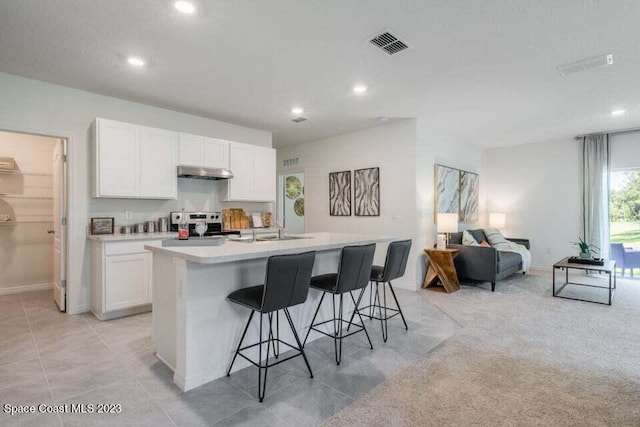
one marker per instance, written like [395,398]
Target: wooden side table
[441,267]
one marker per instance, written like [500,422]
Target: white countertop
[238,251]
[132,237]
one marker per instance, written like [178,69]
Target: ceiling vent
[388,43]
[299,119]
[586,64]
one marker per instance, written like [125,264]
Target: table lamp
[447,223]
[497,220]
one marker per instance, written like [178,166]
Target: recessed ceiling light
[297,110]
[618,112]
[136,62]
[359,89]
[184,7]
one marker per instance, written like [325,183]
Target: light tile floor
[50,358]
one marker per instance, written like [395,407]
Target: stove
[213,219]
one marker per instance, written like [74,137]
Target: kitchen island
[195,328]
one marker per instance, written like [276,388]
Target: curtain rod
[579,137]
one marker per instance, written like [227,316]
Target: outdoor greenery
[625,202]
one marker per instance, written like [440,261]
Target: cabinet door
[158,164]
[264,188]
[127,280]
[241,159]
[118,159]
[216,153]
[191,150]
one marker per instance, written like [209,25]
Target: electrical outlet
[128,215]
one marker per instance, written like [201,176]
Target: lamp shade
[497,220]
[447,223]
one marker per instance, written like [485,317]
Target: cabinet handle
[51,232]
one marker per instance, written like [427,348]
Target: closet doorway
[33,214]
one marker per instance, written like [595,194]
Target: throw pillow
[468,240]
[485,244]
[494,236]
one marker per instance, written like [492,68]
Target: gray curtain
[596,164]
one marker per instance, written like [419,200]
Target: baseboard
[26,288]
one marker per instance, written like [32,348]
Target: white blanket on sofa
[525,254]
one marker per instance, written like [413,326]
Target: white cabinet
[254,173]
[127,279]
[132,161]
[158,164]
[202,151]
[121,278]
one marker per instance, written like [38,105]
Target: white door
[118,159]
[242,166]
[190,150]
[128,280]
[216,153]
[59,224]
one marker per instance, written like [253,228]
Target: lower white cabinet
[121,278]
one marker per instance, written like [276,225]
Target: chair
[394,268]
[286,284]
[353,274]
[624,257]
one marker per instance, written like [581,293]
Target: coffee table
[609,268]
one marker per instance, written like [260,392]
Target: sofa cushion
[455,238]
[468,240]
[478,235]
[494,236]
[508,260]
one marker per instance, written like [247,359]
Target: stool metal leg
[273,340]
[361,321]
[240,343]
[398,305]
[354,313]
[383,320]
[338,337]
[262,382]
[314,318]
[295,335]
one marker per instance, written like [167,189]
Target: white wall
[435,148]
[39,107]
[538,187]
[26,249]
[390,147]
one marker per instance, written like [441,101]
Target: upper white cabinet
[254,173]
[132,161]
[202,151]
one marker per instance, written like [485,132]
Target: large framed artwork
[367,191]
[340,193]
[456,191]
[469,195]
[447,191]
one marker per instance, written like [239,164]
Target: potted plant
[587,250]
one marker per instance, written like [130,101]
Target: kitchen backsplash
[193,195]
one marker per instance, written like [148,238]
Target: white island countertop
[237,251]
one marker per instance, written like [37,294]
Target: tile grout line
[252,397]
[131,373]
[35,343]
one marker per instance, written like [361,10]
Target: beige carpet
[522,358]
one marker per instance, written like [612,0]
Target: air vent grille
[388,43]
[299,119]
[586,64]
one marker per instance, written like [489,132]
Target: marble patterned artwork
[340,193]
[469,196]
[447,189]
[367,192]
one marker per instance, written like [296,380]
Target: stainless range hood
[200,172]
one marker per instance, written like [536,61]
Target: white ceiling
[482,71]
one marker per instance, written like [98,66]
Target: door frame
[69,137]
[280,195]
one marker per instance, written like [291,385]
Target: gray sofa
[484,264]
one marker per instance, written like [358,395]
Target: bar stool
[353,274]
[394,268]
[286,284]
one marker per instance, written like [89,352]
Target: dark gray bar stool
[394,268]
[353,274]
[286,284]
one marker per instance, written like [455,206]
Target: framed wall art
[102,225]
[340,193]
[367,192]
